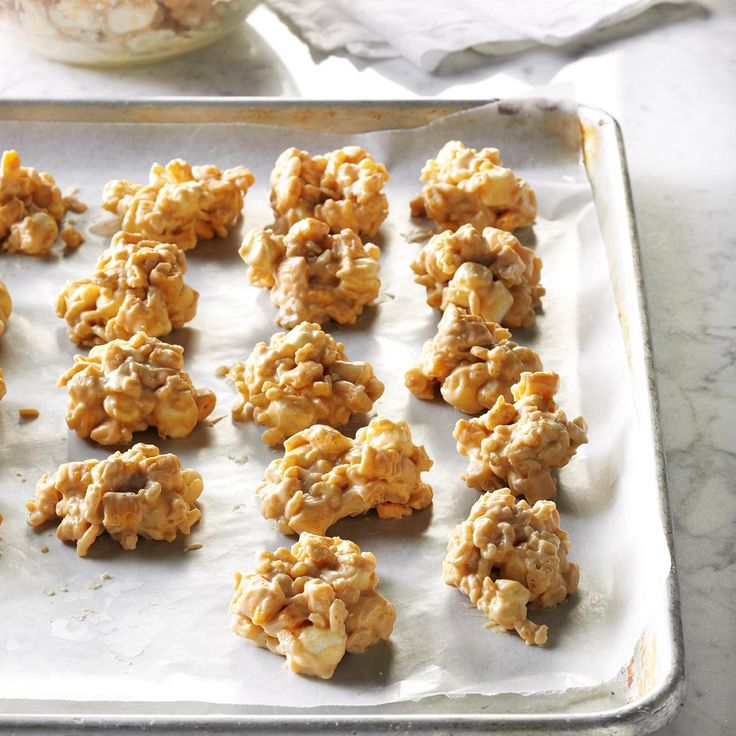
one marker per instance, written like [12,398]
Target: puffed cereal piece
[464,186]
[313,276]
[312,604]
[471,361]
[138,286]
[325,476]
[130,494]
[31,207]
[518,445]
[508,556]
[126,386]
[6,306]
[491,274]
[343,188]
[301,378]
[181,204]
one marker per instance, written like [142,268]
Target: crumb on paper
[49,593]
[105,224]
[44,549]
[418,235]
[239,507]
[94,585]
[105,576]
[28,412]
[239,459]
[212,422]
[193,547]
[222,370]
[64,588]
[71,237]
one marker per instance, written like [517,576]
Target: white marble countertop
[671,82]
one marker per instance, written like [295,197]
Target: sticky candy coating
[325,476]
[130,494]
[301,378]
[126,386]
[472,362]
[463,186]
[312,603]
[313,276]
[343,188]
[519,445]
[489,273]
[31,207]
[181,204]
[508,556]
[138,286]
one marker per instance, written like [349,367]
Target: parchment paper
[157,629]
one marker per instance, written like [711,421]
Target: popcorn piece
[313,276]
[138,286]
[302,378]
[6,306]
[325,476]
[507,556]
[181,203]
[31,207]
[130,494]
[71,237]
[473,362]
[343,188]
[491,274]
[312,604]
[465,186]
[517,445]
[127,386]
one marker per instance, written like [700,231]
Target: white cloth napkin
[426,31]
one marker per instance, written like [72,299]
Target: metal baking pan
[648,689]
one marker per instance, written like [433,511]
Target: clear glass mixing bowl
[119,32]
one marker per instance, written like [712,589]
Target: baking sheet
[157,630]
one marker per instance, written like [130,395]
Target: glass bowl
[119,32]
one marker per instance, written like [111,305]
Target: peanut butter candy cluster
[313,275]
[302,377]
[138,286]
[519,445]
[325,476]
[6,306]
[126,386]
[312,604]
[471,361]
[489,273]
[343,188]
[464,186]
[508,556]
[181,204]
[32,208]
[138,493]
